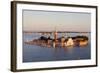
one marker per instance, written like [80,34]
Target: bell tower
[55,36]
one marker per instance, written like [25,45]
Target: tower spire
[55,36]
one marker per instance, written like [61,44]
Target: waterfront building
[83,43]
[54,44]
[70,42]
[63,41]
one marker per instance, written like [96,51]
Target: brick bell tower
[55,36]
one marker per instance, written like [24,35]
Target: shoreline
[52,31]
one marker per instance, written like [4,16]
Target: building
[70,42]
[63,41]
[83,43]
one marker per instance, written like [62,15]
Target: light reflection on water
[34,53]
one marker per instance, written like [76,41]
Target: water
[34,53]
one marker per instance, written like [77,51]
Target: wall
[5,37]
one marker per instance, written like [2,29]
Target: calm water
[34,53]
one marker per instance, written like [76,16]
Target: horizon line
[57,31]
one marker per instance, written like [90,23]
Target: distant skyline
[49,20]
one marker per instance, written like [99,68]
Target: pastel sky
[63,21]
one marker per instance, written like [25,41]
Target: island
[79,40]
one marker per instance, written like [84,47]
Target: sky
[49,20]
